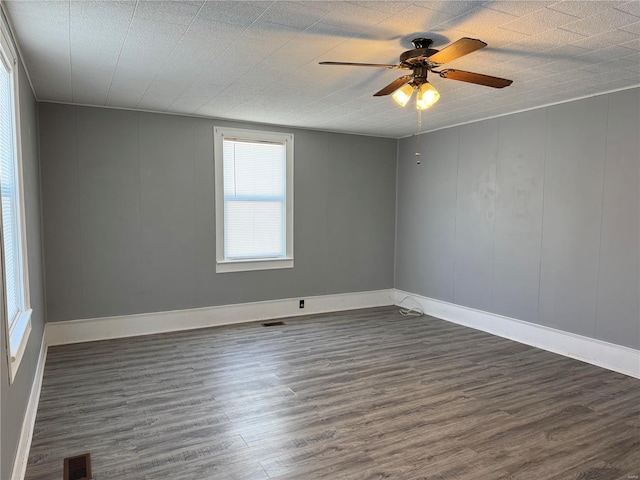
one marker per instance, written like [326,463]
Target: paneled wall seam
[195,213]
[395,220]
[455,217]
[604,183]
[493,226]
[70,61]
[79,206]
[140,293]
[44,266]
[325,283]
[544,175]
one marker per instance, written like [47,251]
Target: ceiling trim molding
[245,122]
[525,110]
[193,115]
[12,31]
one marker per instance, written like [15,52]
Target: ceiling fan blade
[393,86]
[457,49]
[375,65]
[476,78]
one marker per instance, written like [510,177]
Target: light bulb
[403,95]
[427,96]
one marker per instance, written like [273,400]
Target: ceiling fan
[422,59]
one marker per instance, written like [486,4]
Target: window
[254,200]
[15,293]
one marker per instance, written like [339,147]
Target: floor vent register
[78,468]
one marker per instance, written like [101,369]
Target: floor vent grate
[272,324]
[77,468]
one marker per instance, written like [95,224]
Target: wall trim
[249,123]
[603,354]
[29,421]
[93,329]
[528,109]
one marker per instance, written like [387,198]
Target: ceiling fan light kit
[403,94]
[427,96]
[423,59]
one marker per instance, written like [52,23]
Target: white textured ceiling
[258,61]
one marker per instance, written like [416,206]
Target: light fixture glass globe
[427,96]
[403,94]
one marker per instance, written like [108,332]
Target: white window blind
[254,199]
[10,198]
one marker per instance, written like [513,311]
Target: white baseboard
[87,330]
[596,352]
[29,421]
[603,354]
[75,331]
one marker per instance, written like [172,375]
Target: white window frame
[223,265]
[17,333]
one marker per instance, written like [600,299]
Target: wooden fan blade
[393,86]
[457,49]
[375,65]
[477,78]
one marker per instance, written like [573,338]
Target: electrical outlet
[301,303]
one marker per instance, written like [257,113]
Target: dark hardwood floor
[366,394]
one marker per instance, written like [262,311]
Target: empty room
[320,240]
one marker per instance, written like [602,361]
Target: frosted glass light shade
[427,96]
[403,95]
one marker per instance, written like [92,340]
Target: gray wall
[532,215]
[129,215]
[15,396]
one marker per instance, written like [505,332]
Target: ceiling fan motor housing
[419,75]
[421,42]
[419,56]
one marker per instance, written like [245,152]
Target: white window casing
[253,199]
[16,311]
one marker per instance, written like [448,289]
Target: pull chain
[418,137]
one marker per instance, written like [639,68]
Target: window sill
[18,339]
[251,265]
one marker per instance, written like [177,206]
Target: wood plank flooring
[367,394]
